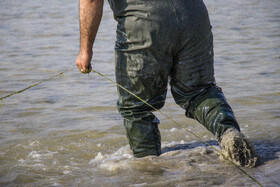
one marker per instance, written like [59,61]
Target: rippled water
[67,131]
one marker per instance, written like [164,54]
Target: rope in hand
[172,120]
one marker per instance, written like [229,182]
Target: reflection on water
[67,131]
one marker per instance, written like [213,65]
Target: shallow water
[67,131]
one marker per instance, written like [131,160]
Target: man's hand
[83,62]
[90,12]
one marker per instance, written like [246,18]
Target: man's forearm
[90,16]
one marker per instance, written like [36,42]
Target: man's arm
[90,16]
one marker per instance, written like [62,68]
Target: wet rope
[33,85]
[180,125]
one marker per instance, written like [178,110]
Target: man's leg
[147,80]
[192,79]
[142,67]
[194,88]
[193,83]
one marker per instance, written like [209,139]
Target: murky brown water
[67,131]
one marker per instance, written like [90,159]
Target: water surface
[67,131]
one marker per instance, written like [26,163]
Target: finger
[90,68]
[83,70]
[79,67]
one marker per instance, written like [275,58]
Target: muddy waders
[157,40]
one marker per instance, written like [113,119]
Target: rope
[178,124]
[33,85]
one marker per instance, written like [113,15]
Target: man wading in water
[156,40]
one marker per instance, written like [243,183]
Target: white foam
[98,158]
[21,161]
[128,156]
[123,160]
[39,165]
[34,143]
[38,155]
[170,144]
[34,154]
[142,184]
[114,165]
[66,172]
[113,162]
[56,184]
[182,142]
